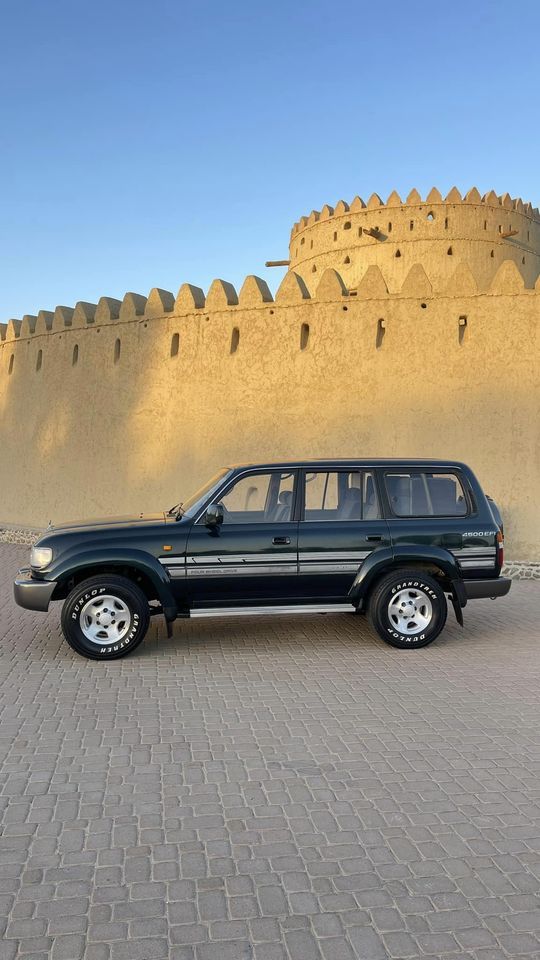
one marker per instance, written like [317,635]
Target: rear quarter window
[425,493]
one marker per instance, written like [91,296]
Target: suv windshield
[194,503]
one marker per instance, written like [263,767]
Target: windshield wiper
[174,510]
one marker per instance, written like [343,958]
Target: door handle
[281,541]
[374,539]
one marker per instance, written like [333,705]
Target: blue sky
[149,143]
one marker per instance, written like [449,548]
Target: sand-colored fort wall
[128,406]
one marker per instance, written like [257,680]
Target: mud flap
[457,608]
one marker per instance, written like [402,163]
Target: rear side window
[340,495]
[425,494]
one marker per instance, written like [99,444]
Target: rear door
[341,524]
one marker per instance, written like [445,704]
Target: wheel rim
[410,611]
[105,619]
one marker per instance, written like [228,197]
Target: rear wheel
[105,617]
[408,609]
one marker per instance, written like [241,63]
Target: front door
[341,524]
[252,557]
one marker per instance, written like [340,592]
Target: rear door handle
[281,541]
[373,539]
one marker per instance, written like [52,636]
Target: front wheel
[105,617]
[408,609]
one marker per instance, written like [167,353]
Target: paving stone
[232,950]
[302,945]
[188,933]
[147,949]
[229,930]
[336,948]
[516,943]
[212,905]
[400,944]
[68,948]
[436,943]
[327,924]
[367,943]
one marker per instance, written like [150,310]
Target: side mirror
[214,515]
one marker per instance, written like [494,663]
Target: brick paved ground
[280,789]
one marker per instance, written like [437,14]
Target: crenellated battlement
[434,197]
[255,293]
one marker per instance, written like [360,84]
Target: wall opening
[235,339]
[335,236]
[304,336]
[302,241]
[523,259]
[347,225]
[75,355]
[423,305]
[492,254]
[485,224]
[347,260]
[397,253]
[11,362]
[175,344]
[39,360]
[430,216]
[411,224]
[314,269]
[117,348]
[462,328]
[359,231]
[528,235]
[449,252]
[311,245]
[389,228]
[446,223]
[381,328]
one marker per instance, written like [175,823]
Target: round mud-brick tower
[437,233]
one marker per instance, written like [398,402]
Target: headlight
[40,557]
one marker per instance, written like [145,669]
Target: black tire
[425,594]
[128,596]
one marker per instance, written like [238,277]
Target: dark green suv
[393,537]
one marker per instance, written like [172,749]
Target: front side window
[260,498]
[341,495]
[425,494]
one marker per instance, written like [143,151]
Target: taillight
[500,547]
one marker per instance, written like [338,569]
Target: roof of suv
[354,462]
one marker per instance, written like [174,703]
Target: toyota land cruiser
[394,538]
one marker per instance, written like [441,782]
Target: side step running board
[269,611]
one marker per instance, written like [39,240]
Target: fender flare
[138,559]
[385,559]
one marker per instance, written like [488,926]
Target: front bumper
[32,594]
[479,589]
